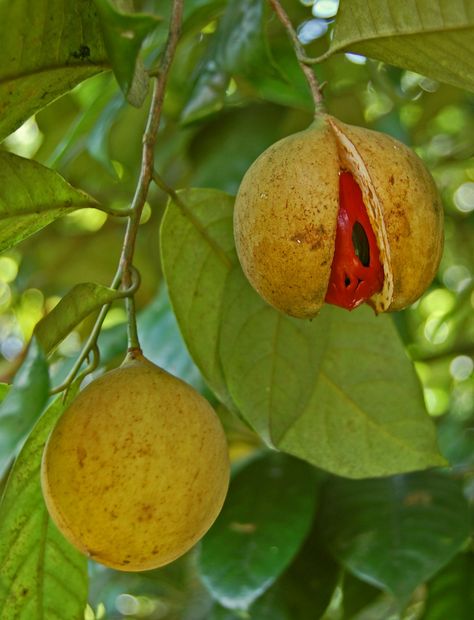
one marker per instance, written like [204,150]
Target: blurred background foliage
[222,109]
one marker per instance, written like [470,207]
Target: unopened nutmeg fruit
[341,214]
[136,470]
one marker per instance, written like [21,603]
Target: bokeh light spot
[26,140]
[451,119]
[464,197]
[115,316]
[70,345]
[89,220]
[311,30]
[5,296]
[437,401]
[457,278]
[356,59]
[146,213]
[325,8]
[127,604]
[11,347]
[8,269]
[437,303]
[436,332]
[410,114]
[461,367]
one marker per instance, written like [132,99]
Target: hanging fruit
[341,214]
[136,470]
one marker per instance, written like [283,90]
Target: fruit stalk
[313,84]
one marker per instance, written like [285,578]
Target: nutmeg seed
[286,220]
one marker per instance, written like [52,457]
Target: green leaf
[395,532]
[197,253]
[98,147]
[208,94]
[236,137]
[47,48]
[328,391]
[102,96]
[238,47]
[241,35]
[41,574]
[23,403]
[31,197]
[434,38]
[76,305]
[456,441]
[337,391]
[451,591]
[306,588]
[124,34]
[266,516]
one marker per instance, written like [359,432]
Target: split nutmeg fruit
[136,470]
[341,214]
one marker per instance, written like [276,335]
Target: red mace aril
[338,214]
[356,271]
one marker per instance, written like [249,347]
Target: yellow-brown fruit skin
[285,220]
[137,469]
[286,211]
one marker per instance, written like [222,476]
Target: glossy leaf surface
[264,521]
[197,252]
[46,50]
[75,306]
[432,37]
[41,574]
[23,403]
[451,591]
[395,532]
[31,197]
[124,34]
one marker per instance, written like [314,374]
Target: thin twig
[91,343]
[146,170]
[313,84]
[89,346]
[126,273]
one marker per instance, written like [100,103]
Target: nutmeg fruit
[136,469]
[341,214]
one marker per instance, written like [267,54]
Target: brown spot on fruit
[313,236]
[81,455]
[146,512]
